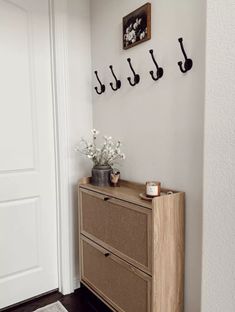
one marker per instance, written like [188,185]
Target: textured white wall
[80,107]
[161,124]
[218,278]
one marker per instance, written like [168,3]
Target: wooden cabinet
[131,250]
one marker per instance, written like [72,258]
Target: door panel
[25,235]
[16,96]
[28,252]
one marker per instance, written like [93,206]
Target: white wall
[80,107]
[218,278]
[161,124]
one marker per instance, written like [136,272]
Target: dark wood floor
[82,300]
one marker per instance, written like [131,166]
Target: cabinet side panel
[168,253]
[79,232]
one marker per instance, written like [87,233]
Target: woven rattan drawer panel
[119,226]
[123,287]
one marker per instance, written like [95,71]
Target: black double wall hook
[102,86]
[188,64]
[118,82]
[159,72]
[136,76]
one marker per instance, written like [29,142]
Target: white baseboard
[76,283]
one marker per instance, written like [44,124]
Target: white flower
[128,29]
[131,35]
[119,143]
[142,35]
[107,154]
[94,132]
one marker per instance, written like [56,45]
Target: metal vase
[101,175]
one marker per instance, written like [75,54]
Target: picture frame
[137,26]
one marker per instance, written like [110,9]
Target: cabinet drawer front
[119,226]
[123,287]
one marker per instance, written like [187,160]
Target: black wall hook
[160,70]
[102,86]
[188,64]
[118,82]
[136,76]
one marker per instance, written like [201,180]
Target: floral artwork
[137,26]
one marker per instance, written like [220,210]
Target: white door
[28,242]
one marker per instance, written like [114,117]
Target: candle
[153,189]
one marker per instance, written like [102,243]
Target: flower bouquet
[103,157]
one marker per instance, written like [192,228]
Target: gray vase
[101,175]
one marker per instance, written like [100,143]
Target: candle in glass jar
[153,189]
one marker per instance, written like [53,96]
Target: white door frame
[59,69]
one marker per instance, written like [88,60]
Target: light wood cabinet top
[128,191]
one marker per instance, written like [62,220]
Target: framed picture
[137,26]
